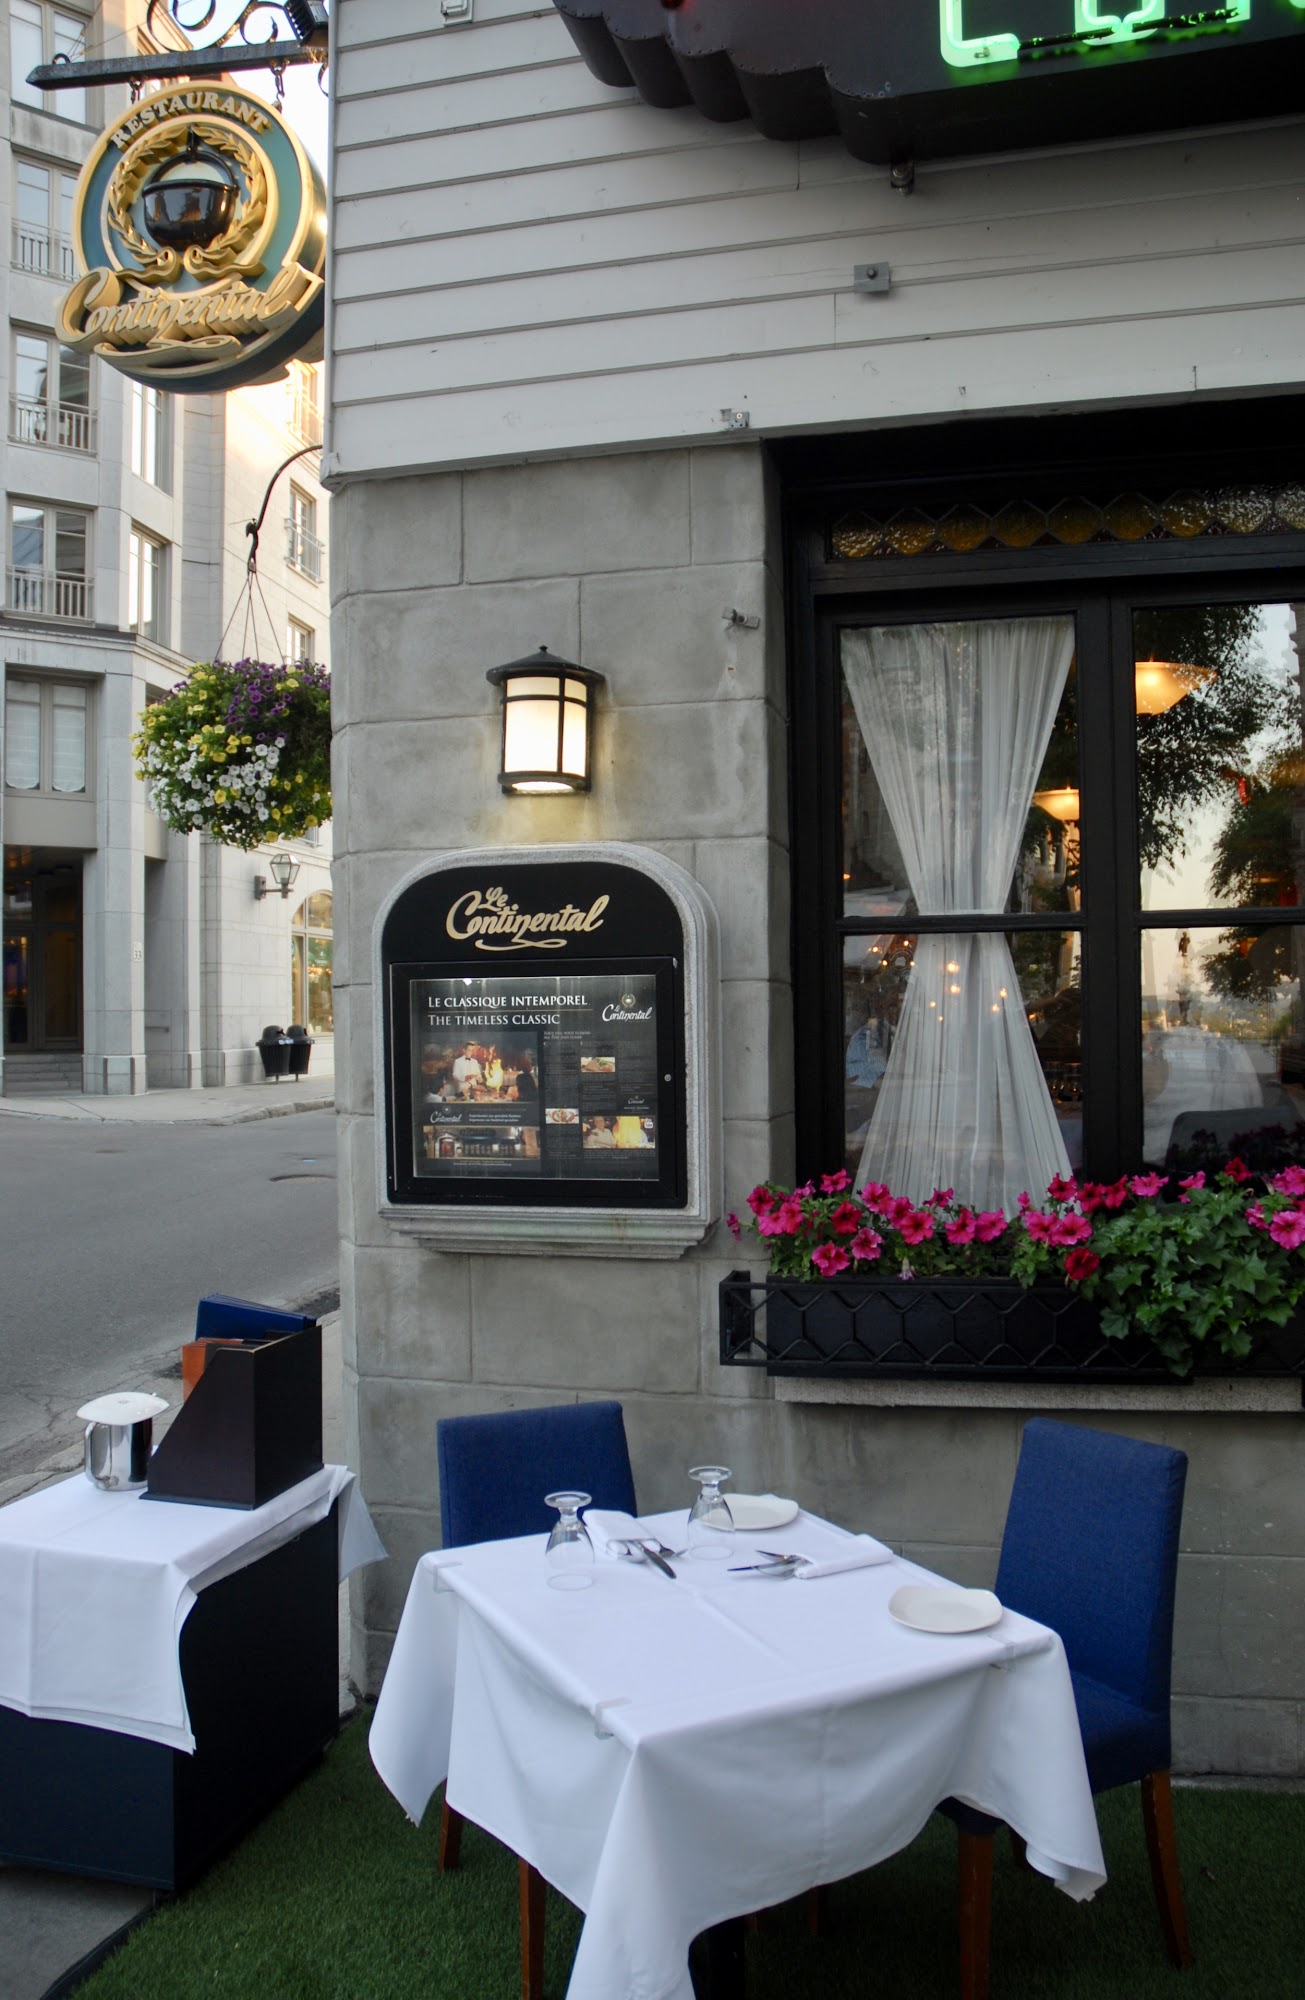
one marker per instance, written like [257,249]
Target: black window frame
[1103,586]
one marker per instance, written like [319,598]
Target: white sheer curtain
[956,720]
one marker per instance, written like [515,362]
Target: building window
[300,644]
[310,964]
[303,550]
[1066,877]
[147,586]
[49,553]
[51,400]
[43,220]
[45,736]
[38,33]
[150,437]
[305,388]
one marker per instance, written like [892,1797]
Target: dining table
[675,1752]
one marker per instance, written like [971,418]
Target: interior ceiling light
[1162,684]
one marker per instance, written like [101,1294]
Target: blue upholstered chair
[1091,1549]
[494,1473]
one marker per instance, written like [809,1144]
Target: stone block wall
[630,565]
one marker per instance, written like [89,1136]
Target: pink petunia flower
[807,1187]
[1025,1202]
[1237,1170]
[1080,1264]
[761,1200]
[875,1193]
[866,1246]
[786,1220]
[962,1228]
[915,1226]
[1115,1195]
[1038,1225]
[1255,1216]
[1062,1189]
[1148,1184]
[1196,1180]
[1288,1229]
[939,1198]
[734,1226]
[835,1183]
[1290,1181]
[896,1208]
[989,1224]
[846,1219]
[1091,1196]
[829,1259]
[1070,1229]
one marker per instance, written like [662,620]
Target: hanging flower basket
[241,751]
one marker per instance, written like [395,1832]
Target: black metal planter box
[952,1329]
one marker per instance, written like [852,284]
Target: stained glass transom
[963,528]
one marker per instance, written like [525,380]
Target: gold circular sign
[200,234]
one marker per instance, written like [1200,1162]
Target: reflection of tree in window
[1187,755]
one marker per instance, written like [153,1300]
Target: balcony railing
[43,251]
[44,594]
[303,551]
[66,424]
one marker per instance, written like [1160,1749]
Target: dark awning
[908,79]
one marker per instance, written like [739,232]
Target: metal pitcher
[119,1435]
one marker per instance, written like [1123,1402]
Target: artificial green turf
[335,1897]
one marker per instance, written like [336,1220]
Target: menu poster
[537,1077]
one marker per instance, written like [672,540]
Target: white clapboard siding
[525,261]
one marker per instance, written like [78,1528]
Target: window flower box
[956,1329]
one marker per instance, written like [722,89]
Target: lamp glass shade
[1062,803]
[1162,684]
[546,716]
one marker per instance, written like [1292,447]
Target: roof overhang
[935,79]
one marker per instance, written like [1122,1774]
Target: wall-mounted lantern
[284,870]
[548,707]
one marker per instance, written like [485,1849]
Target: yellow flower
[220,796]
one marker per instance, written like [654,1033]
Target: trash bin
[274,1047]
[301,1047]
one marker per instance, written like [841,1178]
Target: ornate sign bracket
[235,49]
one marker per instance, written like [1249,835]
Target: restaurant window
[46,743]
[310,964]
[39,33]
[1065,877]
[147,586]
[50,403]
[43,220]
[48,571]
[150,435]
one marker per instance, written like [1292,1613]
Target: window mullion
[1111,1013]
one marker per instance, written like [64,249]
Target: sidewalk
[51,1924]
[232,1104]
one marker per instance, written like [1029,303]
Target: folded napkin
[608,1524]
[862,1552]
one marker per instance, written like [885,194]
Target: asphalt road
[109,1235]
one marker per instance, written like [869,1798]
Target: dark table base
[259,1657]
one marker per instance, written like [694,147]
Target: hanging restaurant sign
[919,80]
[199,230]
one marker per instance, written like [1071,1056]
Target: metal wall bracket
[736,420]
[871,278]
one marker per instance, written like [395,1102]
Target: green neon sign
[1093,29]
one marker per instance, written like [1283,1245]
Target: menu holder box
[250,1428]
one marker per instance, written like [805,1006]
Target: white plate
[927,1607]
[761,1510]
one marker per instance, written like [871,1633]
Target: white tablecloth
[672,1754]
[95,1588]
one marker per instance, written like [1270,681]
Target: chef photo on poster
[538,1076]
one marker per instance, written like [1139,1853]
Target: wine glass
[570,1553]
[711,1525]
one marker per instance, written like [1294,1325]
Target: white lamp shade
[547,710]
